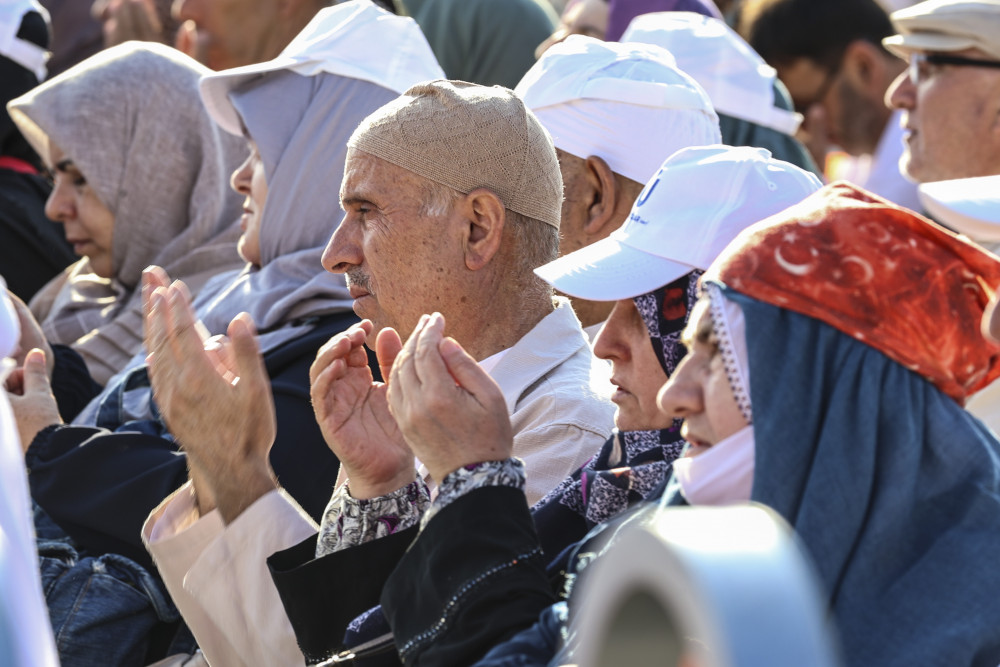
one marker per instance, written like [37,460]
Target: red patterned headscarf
[878,272]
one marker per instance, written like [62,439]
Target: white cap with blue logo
[697,203]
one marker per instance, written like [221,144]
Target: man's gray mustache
[360,279]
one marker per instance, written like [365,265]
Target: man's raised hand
[353,412]
[214,395]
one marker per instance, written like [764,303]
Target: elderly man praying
[453,195]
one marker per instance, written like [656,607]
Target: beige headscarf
[132,121]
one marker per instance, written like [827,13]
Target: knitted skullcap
[467,136]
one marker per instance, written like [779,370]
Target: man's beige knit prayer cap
[467,136]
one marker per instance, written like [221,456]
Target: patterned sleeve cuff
[349,522]
[509,472]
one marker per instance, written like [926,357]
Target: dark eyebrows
[65,165]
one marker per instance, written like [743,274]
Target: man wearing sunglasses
[950,93]
[829,55]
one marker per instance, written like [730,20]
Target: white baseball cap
[736,78]
[970,206]
[697,203]
[628,104]
[355,39]
[28,55]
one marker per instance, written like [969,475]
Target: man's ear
[606,196]
[484,217]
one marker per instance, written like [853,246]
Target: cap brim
[609,271]
[970,206]
[904,45]
[215,89]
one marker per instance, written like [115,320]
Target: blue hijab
[893,488]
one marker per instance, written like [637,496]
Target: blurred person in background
[829,55]
[229,33]
[483,41]
[76,34]
[33,249]
[607,19]
[949,96]
[753,105]
[141,20]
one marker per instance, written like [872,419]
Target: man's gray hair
[535,242]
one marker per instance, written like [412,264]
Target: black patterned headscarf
[631,464]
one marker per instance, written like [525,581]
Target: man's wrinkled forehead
[371,179]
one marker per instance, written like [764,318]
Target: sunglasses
[919,69]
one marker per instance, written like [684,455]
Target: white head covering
[628,104]
[737,80]
[971,206]
[697,203]
[131,121]
[338,40]
[28,55]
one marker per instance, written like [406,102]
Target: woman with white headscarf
[141,176]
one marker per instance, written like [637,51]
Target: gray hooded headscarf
[300,125]
[132,121]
